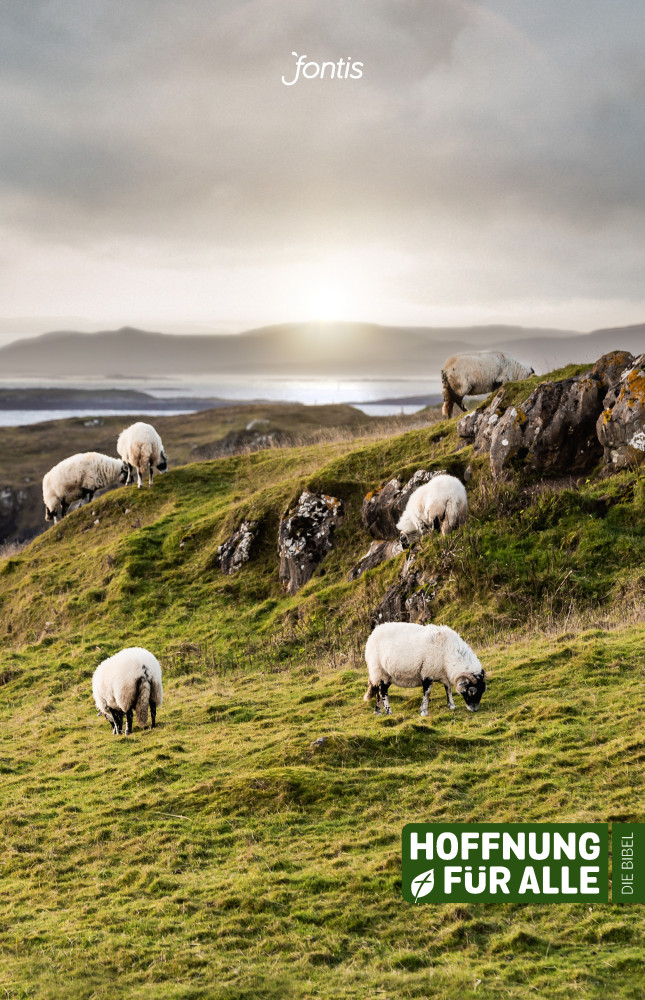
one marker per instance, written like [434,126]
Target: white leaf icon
[422,884]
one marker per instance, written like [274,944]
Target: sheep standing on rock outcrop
[127,682]
[78,478]
[140,446]
[441,503]
[477,373]
[410,655]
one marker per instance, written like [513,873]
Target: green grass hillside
[28,452]
[222,854]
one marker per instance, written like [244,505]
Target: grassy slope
[221,855]
[26,453]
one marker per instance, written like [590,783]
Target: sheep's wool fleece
[114,683]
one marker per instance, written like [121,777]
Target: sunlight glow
[328,303]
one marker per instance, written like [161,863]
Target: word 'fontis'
[342,70]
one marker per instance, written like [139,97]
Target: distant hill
[354,350]
[97,399]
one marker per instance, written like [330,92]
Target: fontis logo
[344,69]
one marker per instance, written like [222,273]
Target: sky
[486,166]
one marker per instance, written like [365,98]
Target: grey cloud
[504,129]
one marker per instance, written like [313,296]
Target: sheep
[78,478]
[477,373]
[441,503]
[412,655]
[140,447]
[126,682]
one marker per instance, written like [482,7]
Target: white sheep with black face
[128,682]
[78,478]
[441,504]
[141,448]
[411,655]
[478,373]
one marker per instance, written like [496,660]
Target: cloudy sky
[488,166]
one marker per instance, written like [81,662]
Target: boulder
[609,368]
[621,425]
[305,536]
[236,550]
[553,431]
[382,508]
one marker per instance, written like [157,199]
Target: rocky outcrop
[305,536]
[621,425]
[477,427]
[554,430]
[236,550]
[378,552]
[382,508]
[407,600]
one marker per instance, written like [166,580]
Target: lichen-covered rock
[609,368]
[305,536]
[382,508]
[621,425]
[407,600]
[477,427]
[236,550]
[378,552]
[554,430]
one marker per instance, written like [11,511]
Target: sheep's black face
[163,464]
[404,541]
[124,473]
[49,514]
[472,688]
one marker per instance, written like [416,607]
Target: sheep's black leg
[130,478]
[128,722]
[64,507]
[153,714]
[451,703]
[384,698]
[117,719]
[427,684]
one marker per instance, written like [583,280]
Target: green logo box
[506,863]
[628,863]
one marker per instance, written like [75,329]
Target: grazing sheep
[441,503]
[128,681]
[78,478]
[477,373]
[412,655]
[140,446]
